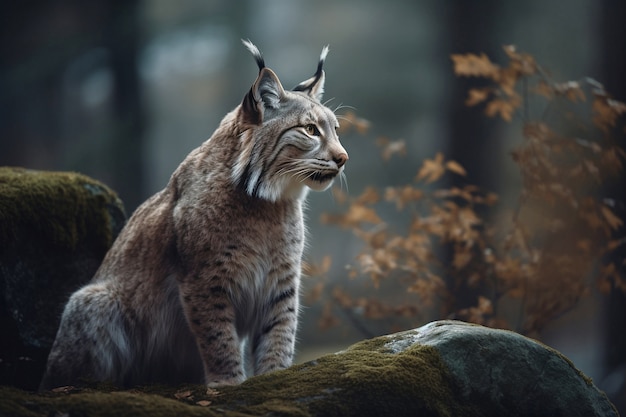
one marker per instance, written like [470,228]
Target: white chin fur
[319,186]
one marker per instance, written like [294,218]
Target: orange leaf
[456,168]
[369,196]
[339,196]
[357,214]
[432,169]
[391,148]
[544,89]
[614,244]
[521,62]
[606,112]
[614,221]
[484,305]
[471,65]
[505,108]
[317,269]
[180,395]
[571,90]
[476,96]
[64,389]
[491,199]
[515,292]
[361,125]
[461,259]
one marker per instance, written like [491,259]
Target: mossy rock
[442,369]
[55,228]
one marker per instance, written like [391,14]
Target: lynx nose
[340,159]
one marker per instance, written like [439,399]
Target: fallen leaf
[203,403]
[183,395]
[64,389]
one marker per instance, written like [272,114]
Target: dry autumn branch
[558,243]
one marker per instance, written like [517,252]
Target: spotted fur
[213,261]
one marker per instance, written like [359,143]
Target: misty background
[123,90]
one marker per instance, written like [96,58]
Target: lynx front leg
[273,345]
[211,318]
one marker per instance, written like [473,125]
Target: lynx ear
[266,92]
[314,86]
[268,89]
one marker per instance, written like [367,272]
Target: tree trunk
[612,70]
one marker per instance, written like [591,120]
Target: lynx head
[289,140]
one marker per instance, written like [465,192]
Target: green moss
[95,403]
[365,380]
[60,208]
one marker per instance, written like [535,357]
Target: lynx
[202,282]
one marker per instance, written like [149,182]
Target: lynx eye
[312,130]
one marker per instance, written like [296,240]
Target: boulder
[445,368]
[507,373]
[55,228]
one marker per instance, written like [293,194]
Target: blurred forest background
[122,90]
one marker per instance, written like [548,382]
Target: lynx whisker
[342,106]
[327,102]
[343,179]
[296,172]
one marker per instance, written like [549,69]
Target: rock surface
[509,373]
[445,368]
[55,228]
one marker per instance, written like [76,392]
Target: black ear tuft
[255,52]
[266,92]
[314,86]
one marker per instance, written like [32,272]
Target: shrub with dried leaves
[557,246]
